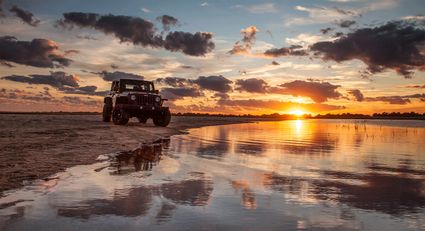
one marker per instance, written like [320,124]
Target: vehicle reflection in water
[291,175]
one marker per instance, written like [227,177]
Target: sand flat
[37,146]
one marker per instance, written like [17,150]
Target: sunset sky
[329,56]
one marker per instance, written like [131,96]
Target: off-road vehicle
[135,98]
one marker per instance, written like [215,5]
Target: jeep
[135,98]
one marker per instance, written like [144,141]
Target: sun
[297,112]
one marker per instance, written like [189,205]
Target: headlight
[157,99]
[133,97]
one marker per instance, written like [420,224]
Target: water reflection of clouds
[138,201]
[388,193]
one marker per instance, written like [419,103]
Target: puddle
[290,175]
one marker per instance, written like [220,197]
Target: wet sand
[37,146]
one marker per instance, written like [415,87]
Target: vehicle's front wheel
[120,117]
[163,118]
[106,113]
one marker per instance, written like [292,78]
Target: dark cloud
[167,21]
[317,91]
[197,44]
[116,75]
[1,9]
[358,95]
[397,45]
[389,99]
[173,81]
[346,23]
[252,85]
[275,63]
[416,86]
[214,83]
[326,30]
[248,38]
[25,16]
[55,79]
[37,53]
[128,29]
[140,32]
[64,83]
[180,92]
[286,51]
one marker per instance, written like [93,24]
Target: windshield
[136,86]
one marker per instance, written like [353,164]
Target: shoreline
[38,146]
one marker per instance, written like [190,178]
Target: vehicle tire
[163,119]
[142,119]
[106,113]
[120,117]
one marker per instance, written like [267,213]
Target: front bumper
[134,107]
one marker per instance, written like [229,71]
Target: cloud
[204,4]
[252,85]
[1,9]
[396,99]
[116,75]
[79,101]
[67,84]
[37,53]
[146,10]
[25,16]
[248,38]
[346,23]
[262,8]
[317,91]
[197,44]
[180,92]
[389,99]
[304,39]
[317,15]
[358,95]
[173,81]
[293,50]
[55,79]
[416,86]
[140,32]
[326,30]
[214,83]
[87,37]
[167,21]
[395,45]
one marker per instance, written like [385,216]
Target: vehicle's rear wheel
[163,118]
[107,113]
[120,117]
[142,119]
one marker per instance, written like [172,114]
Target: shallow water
[289,175]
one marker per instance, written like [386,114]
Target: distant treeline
[51,113]
[384,115]
[275,116]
